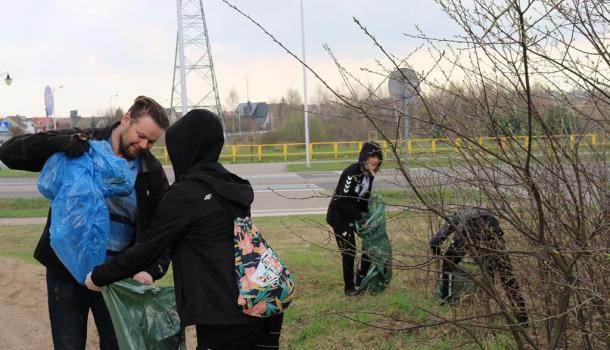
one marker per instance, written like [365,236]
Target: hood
[370,149]
[196,138]
[236,193]
[194,144]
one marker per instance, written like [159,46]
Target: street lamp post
[305,107]
[55,121]
[7,79]
[111,111]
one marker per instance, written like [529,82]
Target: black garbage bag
[143,316]
[376,244]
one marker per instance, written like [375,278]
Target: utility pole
[305,111]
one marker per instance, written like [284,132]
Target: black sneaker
[350,292]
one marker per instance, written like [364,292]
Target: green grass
[23,207]
[321,317]
[19,241]
[17,173]
[436,194]
[39,207]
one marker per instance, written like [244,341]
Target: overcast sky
[97,49]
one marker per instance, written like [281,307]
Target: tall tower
[194,83]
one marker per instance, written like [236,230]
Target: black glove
[72,145]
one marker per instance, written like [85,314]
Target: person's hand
[72,145]
[143,277]
[436,249]
[89,283]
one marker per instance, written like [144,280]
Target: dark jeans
[69,304]
[346,241]
[260,333]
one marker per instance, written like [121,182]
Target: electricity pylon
[194,83]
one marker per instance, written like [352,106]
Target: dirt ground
[24,320]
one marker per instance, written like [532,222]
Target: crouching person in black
[349,203]
[477,232]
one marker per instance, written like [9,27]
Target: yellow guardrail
[348,149]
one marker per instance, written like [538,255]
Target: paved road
[277,191]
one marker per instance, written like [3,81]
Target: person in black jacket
[195,218]
[346,208]
[131,138]
[476,231]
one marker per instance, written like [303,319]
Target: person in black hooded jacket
[195,219]
[346,208]
[477,231]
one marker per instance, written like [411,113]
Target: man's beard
[123,150]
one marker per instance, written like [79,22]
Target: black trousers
[260,333]
[346,241]
[491,256]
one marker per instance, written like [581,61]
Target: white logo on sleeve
[348,183]
[207,197]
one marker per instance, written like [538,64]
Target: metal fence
[421,148]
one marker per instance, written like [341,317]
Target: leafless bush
[534,75]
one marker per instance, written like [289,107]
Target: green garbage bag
[462,283]
[376,244]
[143,316]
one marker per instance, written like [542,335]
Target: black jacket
[469,225]
[30,152]
[347,205]
[349,201]
[195,218]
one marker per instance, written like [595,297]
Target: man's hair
[145,105]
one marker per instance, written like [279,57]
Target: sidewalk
[242,169]
[247,168]
[22,221]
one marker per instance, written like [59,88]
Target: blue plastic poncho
[77,188]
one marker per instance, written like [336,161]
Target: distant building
[40,123]
[93,122]
[18,124]
[13,126]
[21,123]
[251,114]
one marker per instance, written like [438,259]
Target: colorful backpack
[266,287]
